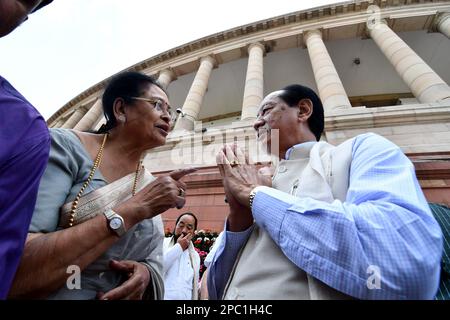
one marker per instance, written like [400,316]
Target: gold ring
[181,193]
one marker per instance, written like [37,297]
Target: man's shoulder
[167,240]
[168,243]
[371,146]
[369,140]
[364,137]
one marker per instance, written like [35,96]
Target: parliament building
[378,66]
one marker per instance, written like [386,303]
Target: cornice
[362,117]
[432,170]
[326,17]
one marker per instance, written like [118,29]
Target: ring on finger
[234,163]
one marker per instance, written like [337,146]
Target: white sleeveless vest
[261,271]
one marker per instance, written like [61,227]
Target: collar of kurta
[300,151]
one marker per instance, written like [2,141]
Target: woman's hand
[132,289]
[163,193]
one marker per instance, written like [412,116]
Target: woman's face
[147,122]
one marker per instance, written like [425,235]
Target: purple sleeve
[24,149]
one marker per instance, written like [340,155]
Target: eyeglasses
[159,105]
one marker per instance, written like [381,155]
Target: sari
[68,168]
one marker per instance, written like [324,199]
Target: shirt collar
[300,150]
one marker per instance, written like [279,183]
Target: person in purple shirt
[24,150]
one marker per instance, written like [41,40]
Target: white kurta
[181,270]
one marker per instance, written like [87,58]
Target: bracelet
[252,196]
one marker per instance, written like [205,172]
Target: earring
[121,118]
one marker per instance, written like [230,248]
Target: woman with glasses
[96,232]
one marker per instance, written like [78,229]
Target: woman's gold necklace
[97,161]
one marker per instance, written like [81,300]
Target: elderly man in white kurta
[181,261]
[334,222]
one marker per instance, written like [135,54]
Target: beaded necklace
[97,161]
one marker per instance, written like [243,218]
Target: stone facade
[225,75]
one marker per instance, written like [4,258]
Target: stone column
[100,122]
[91,117]
[423,82]
[331,90]
[165,77]
[193,102]
[74,118]
[59,123]
[254,82]
[443,24]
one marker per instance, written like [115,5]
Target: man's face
[185,225]
[275,114]
[14,12]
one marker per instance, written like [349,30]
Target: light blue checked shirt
[384,224]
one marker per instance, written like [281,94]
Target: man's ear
[119,108]
[305,109]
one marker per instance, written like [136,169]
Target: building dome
[378,66]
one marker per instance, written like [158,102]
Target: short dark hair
[123,85]
[293,93]
[186,214]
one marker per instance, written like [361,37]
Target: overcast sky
[71,45]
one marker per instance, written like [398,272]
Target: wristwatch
[252,195]
[115,222]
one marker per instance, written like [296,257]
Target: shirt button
[282,169]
